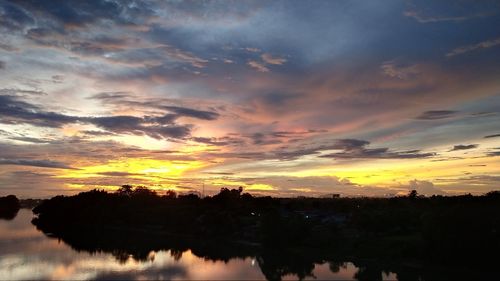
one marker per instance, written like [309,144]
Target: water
[26,253]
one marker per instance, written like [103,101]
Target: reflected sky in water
[26,253]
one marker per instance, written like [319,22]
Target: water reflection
[27,253]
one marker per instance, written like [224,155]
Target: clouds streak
[15,111]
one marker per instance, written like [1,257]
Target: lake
[26,253]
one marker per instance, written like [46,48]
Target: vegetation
[287,235]
[9,206]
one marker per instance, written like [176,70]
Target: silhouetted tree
[412,194]
[170,194]
[125,190]
[9,206]
[143,191]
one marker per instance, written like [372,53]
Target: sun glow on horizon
[149,170]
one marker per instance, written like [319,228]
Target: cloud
[269,59]
[224,141]
[252,50]
[155,127]
[258,66]
[395,70]
[118,174]
[356,149]
[30,139]
[35,163]
[492,136]
[425,187]
[97,133]
[13,17]
[13,111]
[432,19]
[449,11]
[127,99]
[351,149]
[111,97]
[494,153]
[464,147]
[7,47]
[2,65]
[78,15]
[436,114]
[469,48]
[20,92]
[287,186]
[194,113]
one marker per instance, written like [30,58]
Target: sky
[283,98]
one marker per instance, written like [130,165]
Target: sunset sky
[284,98]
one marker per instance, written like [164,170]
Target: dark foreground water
[26,253]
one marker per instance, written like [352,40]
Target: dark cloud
[464,147]
[13,17]
[23,138]
[14,111]
[141,126]
[219,173]
[294,154]
[449,11]
[482,179]
[262,139]
[492,136]
[447,159]
[2,64]
[97,133]
[117,123]
[277,137]
[127,99]
[8,47]
[356,149]
[111,96]
[96,46]
[351,149]
[80,14]
[349,144]
[494,153]
[35,163]
[436,114]
[30,139]
[286,134]
[224,141]
[194,113]
[174,131]
[21,92]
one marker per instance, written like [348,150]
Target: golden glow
[179,175]
[260,186]
[390,172]
[150,170]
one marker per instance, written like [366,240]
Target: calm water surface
[26,253]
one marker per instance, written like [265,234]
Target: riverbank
[459,230]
